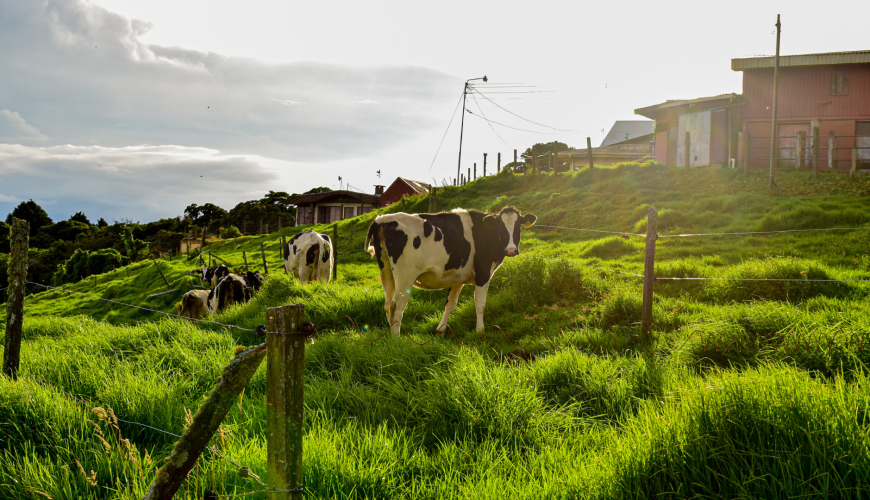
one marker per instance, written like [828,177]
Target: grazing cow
[228,291]
[194,304]
[444,250]
[308,256]
[214,274]
[253,280]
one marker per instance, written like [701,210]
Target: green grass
[749,389]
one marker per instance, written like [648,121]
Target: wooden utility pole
[285,392]
[687,150]
[205,423]
[649,276]
[771,184]
[263,254]
[815,151]
[515,157]
[589,151]
[19,241]
[335,251]
[832,150]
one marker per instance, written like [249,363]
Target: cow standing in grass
[444,250]
[308,256]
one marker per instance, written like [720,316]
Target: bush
[230,232]
[83,264]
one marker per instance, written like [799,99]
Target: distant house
[402,187]
[333,206]
[629,132]
[827,92]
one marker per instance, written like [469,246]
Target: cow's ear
[490,220]
[529,220]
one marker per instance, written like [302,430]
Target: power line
[520,117]
[508,126]
[445,132]
[487,121]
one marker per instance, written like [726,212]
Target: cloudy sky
[133,110]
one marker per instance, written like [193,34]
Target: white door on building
[698,127]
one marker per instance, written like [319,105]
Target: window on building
[839,83]
[672,134]
[364,210]
[862,129]
[348,212]
[304,216]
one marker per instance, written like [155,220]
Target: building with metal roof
[625,130]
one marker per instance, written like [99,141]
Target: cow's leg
[401,296]
[452,299]
[480,303]
[389,288]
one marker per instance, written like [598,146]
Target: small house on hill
[402,187]
[333,206]
[629,132]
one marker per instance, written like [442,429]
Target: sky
[132,110]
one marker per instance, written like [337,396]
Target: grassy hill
[749,388]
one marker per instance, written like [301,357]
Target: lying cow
[253,280]
[194,304]
[444,250]
[308,256]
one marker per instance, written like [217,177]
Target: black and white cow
[444,250]
[308,256]
[228,291]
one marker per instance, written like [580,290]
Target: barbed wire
[590,230]
[757,279]
[760,232]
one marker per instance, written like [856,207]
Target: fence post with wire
[649,276]
[17,268]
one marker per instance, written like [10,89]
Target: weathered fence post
[747,141]
[649,276]
[800,147]
[263,254]
[589,151]
[815,151]
[432,195]
[19,242]
[285,369]
[832,150]
[687,151]
[335,250]
[283,249]
[484,165]
[854,162]
[168,286]
[205,423]
[245,258]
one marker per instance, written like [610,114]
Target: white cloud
[368,101]
[13,128]
[286,102]
[141,182]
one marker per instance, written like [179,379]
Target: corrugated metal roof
[679,102]
[628,129]
[419,187]
[856,57]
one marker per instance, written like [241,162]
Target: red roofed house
[402,187]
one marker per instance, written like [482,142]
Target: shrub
[230,232]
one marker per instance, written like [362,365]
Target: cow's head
[508,225]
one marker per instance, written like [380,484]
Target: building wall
[396,192]
[662,147]
[805,92]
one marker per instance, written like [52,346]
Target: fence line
[761,232]
[589,230]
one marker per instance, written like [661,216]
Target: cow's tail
[373,238]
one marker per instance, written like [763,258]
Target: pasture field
[749,389]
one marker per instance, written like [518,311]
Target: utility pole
[498,167]
[462,126]
[484,164]
[771,184]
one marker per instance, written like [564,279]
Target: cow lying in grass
[444,250]
[308,256]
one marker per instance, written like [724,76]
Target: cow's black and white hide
[308,256]
[228,291]
[213,274]
[443,250]
[254,280]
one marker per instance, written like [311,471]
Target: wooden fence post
[800,147]
[335,249]
[854,162]
[747,141]
[687,151]
[832,150]
[285,386]
[168,286]
[263,254]
[815,151]
[649,276]
[432,202]
[245,258]
[205,423]
[19,241]
[589,151]
[283,246]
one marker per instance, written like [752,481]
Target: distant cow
[194,304]
[228,291]
[254,280]
[308,256]
[214,274]
[444,250]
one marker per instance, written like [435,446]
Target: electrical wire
[445,132]
[520,117]
[508,126]
[487,120]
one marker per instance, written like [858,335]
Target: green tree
[132,246]
[80,217]
[102,223]
[31,212]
